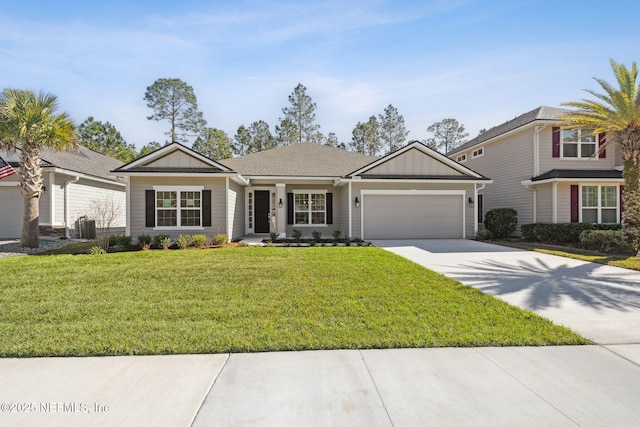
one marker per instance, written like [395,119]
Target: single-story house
[414,192]
[73,180]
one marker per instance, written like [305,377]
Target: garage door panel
[412,216]
[11,206]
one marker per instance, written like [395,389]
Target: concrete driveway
[599,302]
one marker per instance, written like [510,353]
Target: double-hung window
[578,143]
[179,207]
[599,204]
[310,208]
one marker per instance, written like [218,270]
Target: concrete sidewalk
[597,301]
[585,385]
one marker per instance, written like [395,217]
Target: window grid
[599,204]
[187,214]
[310,209]
[578,143]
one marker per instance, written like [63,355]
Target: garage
[11,206]
[413,215]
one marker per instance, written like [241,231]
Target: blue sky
[481,62]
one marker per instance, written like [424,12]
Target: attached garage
[413,214]
[11,206]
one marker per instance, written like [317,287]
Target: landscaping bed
[248,299]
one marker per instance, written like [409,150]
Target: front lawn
[248,300]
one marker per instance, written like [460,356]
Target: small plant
[183,241]
[484,235]
[317,236]
[336,236]
[296,235]
[119,241]
[220,239]
[165,243]
[501,222]
[97,250]
[144,240]
[358,241]
[312,243]
[273,236]
[347,242]
[157,239]
[199,240]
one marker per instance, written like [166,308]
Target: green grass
[624,261]
[248,300]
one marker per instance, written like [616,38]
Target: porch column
[281,211]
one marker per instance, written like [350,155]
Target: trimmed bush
[119,240]
[501,222]
[199,240]
[157,239]
[144,240]
[483,235]
[561,233]
[183,241]
[604,240]
[220,239]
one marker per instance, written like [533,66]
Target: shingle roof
[579,173]
[302,159]
[540,113]
[82,160]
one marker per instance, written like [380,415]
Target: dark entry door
[261,211]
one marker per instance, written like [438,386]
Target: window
[599,204]
[578,143]
[251,210]
[462,158]
[477,153]
[309,208]
[178,207]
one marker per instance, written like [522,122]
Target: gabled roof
[540,113]
[301,159]
[152,162]
[454,169]
[82,160]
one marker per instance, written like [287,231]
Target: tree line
[174,101]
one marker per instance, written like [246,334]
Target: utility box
[85,228]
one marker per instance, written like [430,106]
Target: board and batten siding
[138,186]
[507,162]
[413,162]
[357,187]
[236,210]
[178,159]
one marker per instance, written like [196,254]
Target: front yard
[248,300]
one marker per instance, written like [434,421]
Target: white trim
[178,187]
[66,204]
[554,203]
[168,149]
[426,150]
[83,176]
[599,207]
[128,207]
[417,181]
[579,144]
[291,178]
[309,191]
[227,222]
[310,211]
[165,228]
[461,193]
[10,184]
[476,153]
[350,231]
[462,158]
[52,199]
[475,209]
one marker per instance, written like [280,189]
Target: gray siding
[564,201]
[342,215]
[328,229]
[548,162]
[236,210]
[85,193]
[508,162]
[218,204]
[544,203]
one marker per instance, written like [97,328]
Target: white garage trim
[459,193]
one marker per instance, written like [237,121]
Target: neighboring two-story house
[547,173]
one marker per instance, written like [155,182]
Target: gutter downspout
[66,205]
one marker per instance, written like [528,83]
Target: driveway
[599,302]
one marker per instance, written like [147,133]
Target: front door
[261,211]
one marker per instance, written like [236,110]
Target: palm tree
[29,122]
[618,114]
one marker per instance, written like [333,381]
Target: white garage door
[11,206]
[413,216]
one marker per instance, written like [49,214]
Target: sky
[482,62]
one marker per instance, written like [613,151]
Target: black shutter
[150,208]
[289,208]
[206,208]
[329,208]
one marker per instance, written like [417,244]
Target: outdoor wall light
[470,200]
[357,202]
[280,203]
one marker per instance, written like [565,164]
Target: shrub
[273,236]
[561,233]
[119,240]
[183,241]
[199,240]
[296,235]
[220,239]
[501,222]
[604,240]
[144,240]
[157,239]
[317,236]
[483,235]
[336,235]
[165,243]
[97,250]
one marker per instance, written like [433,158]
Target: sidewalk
[582,385]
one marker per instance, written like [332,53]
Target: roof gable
[175,158]
[415,160]
[300,159]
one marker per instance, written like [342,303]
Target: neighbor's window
[599,204]
[309,208]
[578,143]
[477,153]
[462,158]
[178,208]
